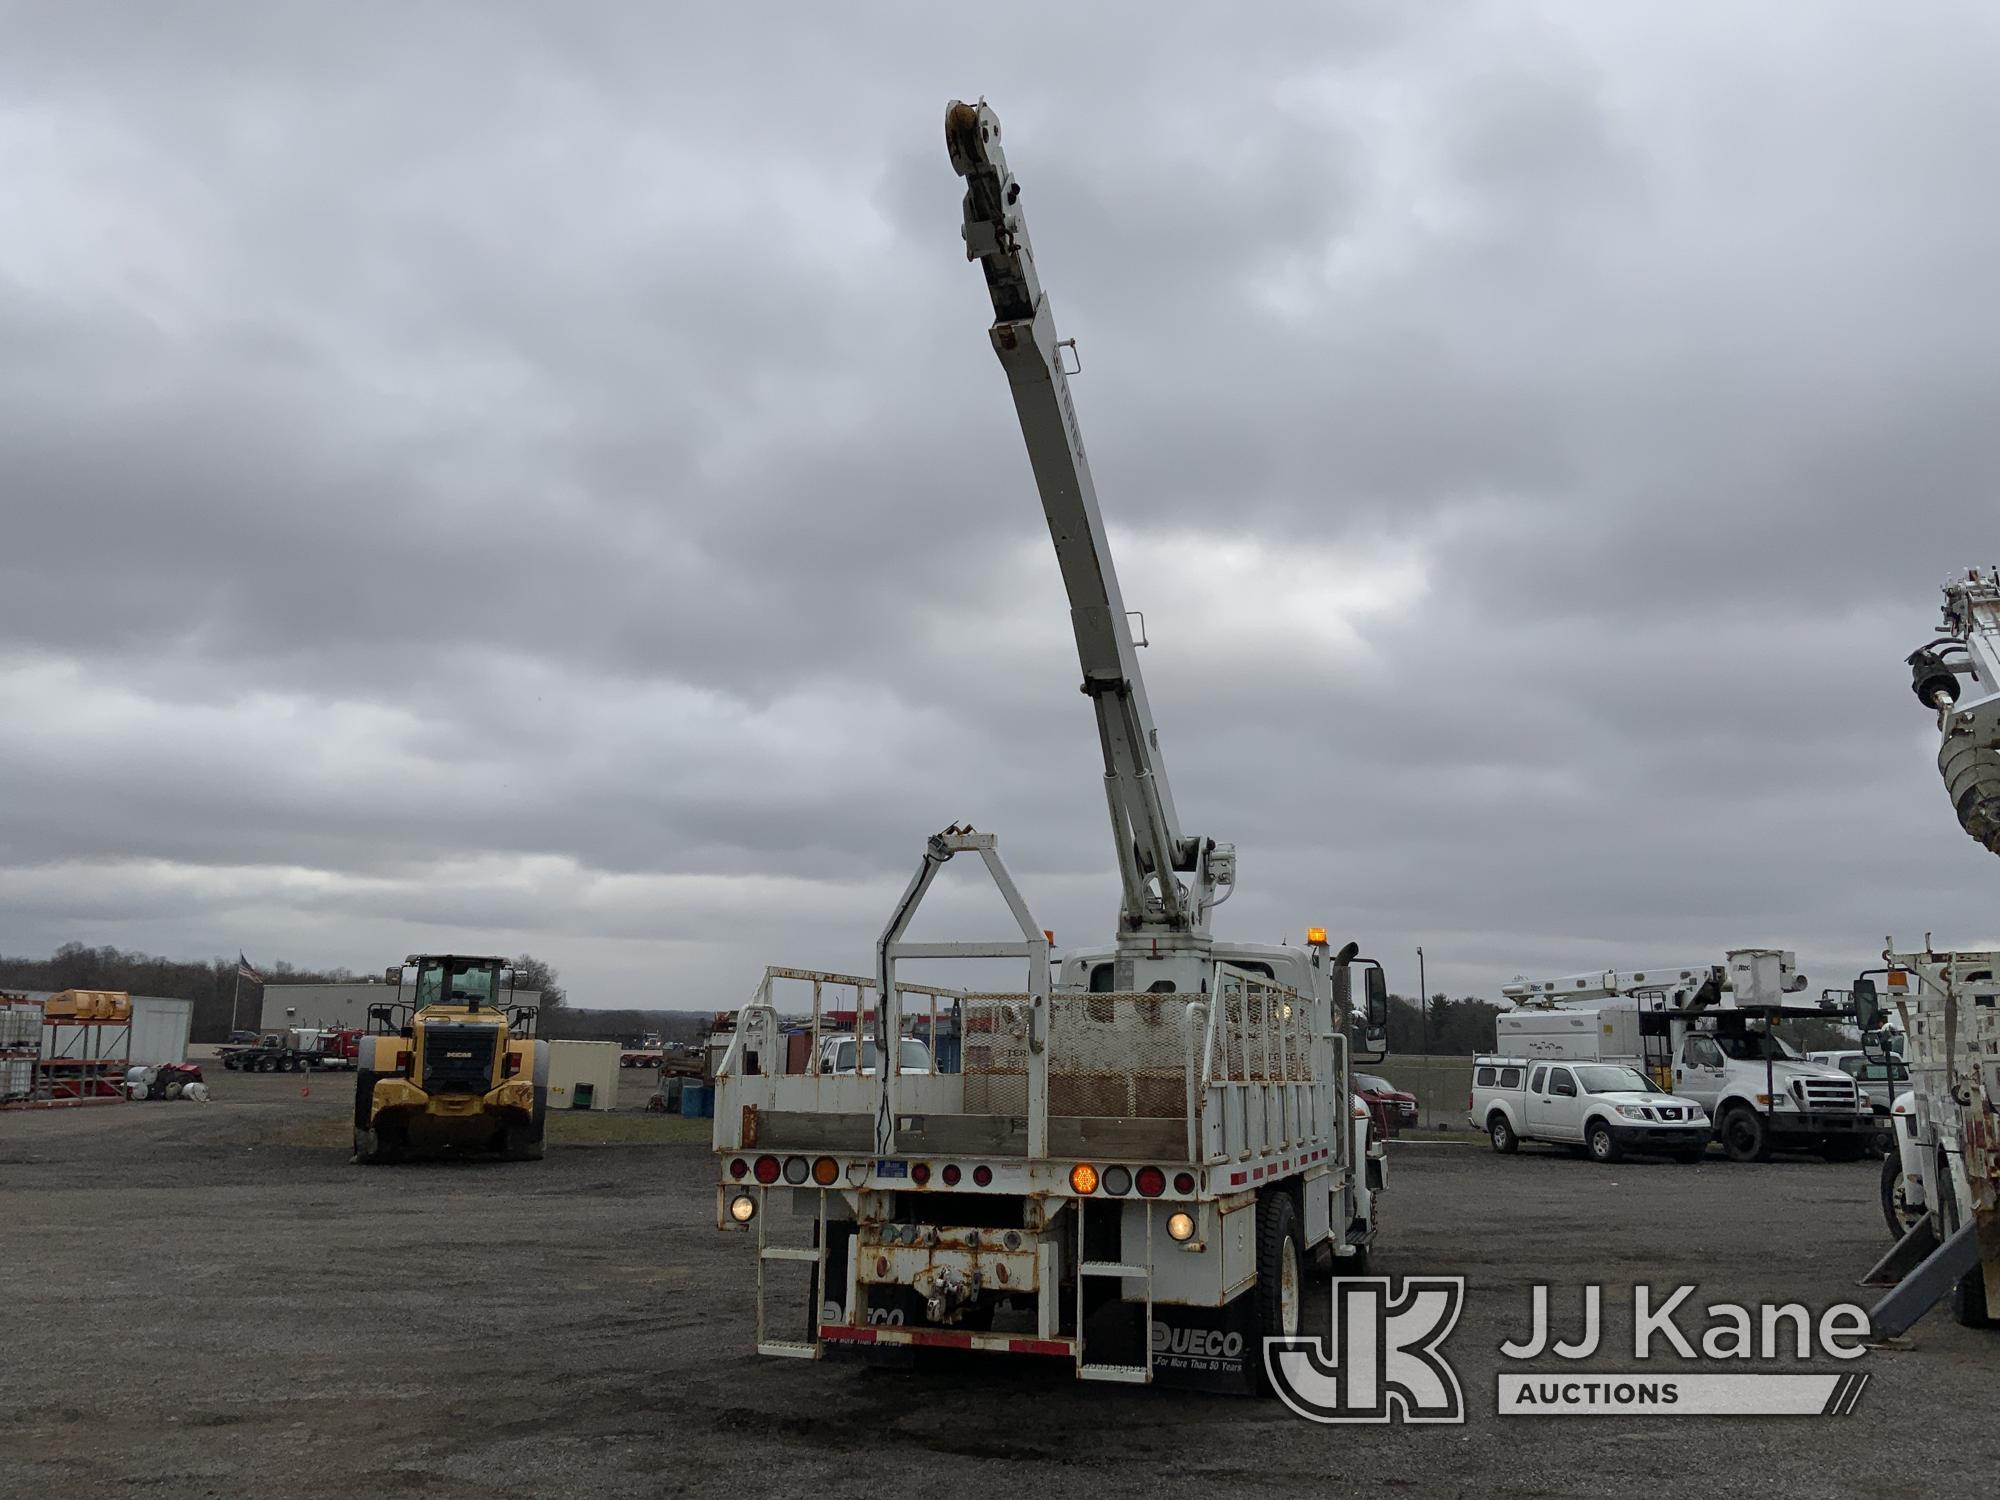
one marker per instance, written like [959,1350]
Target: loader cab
[473,984]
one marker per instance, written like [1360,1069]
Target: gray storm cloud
[538,479]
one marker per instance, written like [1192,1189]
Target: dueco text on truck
[1131,1162]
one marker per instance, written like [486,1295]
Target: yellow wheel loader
[455,1070]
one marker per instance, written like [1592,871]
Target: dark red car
[1389,1106]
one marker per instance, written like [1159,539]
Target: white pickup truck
[1606,1108]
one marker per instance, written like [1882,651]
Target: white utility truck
[1607,1108]
[1707,1032]
[1948,1125]
[1129,1162]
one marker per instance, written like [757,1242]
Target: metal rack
[48,1062]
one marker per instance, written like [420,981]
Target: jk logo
[1381,1362]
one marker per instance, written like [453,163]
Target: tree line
[211,984]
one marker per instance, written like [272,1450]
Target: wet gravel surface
[195,1303]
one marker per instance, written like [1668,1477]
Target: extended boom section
[1152,851]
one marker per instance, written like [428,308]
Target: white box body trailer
[583,1075]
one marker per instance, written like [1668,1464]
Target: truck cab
[1764,1095]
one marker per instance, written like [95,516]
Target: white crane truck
[1137,1155]
[1704,1031]
[1948,1124]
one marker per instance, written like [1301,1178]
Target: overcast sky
[508,477]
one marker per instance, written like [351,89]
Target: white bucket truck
[1132,1161]
[1710,1033]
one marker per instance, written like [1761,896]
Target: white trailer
[1138,1153]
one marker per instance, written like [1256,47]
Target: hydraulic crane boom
[1958,674]
[1152,850]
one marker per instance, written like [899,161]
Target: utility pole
[1424,999]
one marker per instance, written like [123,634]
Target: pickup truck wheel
[1603,1146]
[1898,1212]
[1745,1136]
[1502,1135]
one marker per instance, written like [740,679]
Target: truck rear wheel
[1502,1134]
[1745,1136]
[1967,1298]
[1280,1289]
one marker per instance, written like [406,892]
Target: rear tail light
[402,1062]
[1183,1182]
[512,1066]
[825,1170]
[920,1173]
[767,1169]
[1083,1178]
[983,1176]
[796,1170]
[1152,1181]
[1118,1180]
[739,1169]
[950,1175]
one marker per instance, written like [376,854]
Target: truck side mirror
[1867,1006]
[1377,985]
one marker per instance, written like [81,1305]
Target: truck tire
[1745,1136]
[1501,1134]
[1602,1145]
[1897,1211]
[1967,1298]
[1280,1290]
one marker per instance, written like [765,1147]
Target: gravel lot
[201,1301]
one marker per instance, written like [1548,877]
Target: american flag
[245,970]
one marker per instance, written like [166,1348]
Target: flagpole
[236,1002]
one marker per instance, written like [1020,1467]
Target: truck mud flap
[1207,1348]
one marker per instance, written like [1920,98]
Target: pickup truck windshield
[1606,1078]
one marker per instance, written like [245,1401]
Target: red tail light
[1184,1182]
[950,1175]
[920,1173]
[402,1062]
[767,1169]
[983,1176]
[512,1065]
[739,1168]
[1151,1180]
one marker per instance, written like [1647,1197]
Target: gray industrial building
[343,1004]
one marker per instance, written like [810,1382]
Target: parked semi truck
[1947,1186]
[1141,1150]
[455,1069]
[1709,1032]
